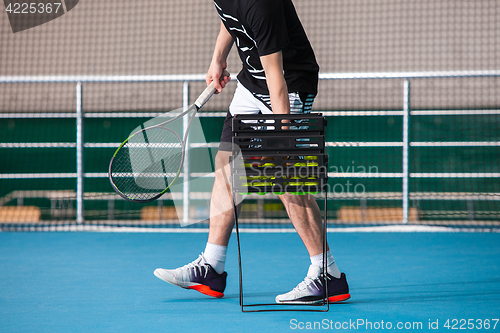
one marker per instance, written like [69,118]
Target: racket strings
[147,164]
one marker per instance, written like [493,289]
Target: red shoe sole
[339,298]
[207,291]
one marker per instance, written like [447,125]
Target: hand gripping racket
[149,161]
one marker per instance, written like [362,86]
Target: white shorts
[245,102]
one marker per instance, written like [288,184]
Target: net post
[79,153]
[406,149]
[185,187]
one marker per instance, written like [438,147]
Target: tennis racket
[150,160]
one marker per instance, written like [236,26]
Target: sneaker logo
[26,14]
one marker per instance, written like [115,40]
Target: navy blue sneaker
[311,290]
[197,275]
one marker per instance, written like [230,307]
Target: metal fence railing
[405,142]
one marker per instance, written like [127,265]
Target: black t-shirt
[262,27]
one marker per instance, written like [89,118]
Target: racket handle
[209,91]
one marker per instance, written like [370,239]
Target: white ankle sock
[215,256]
[332,268]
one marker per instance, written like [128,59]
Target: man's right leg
[206,274]
[221,205]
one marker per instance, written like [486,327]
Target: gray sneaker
[311,290]
[197,275]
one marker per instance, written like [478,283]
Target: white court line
[365,175]
[36,175]
[389,228]
[38,145]
[457,144]
[153,145]
[102,145]
[455,175]
[453,112]
[142,174]
[216,144]
[364,144]
[360,113]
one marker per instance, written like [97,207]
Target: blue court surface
[104,282]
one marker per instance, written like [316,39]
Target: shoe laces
[308,281]
[197,266]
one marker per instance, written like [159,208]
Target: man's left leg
[305,215]
[306,218]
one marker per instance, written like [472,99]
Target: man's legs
[302,210]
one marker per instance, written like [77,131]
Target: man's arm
[273,67]
[219,59]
